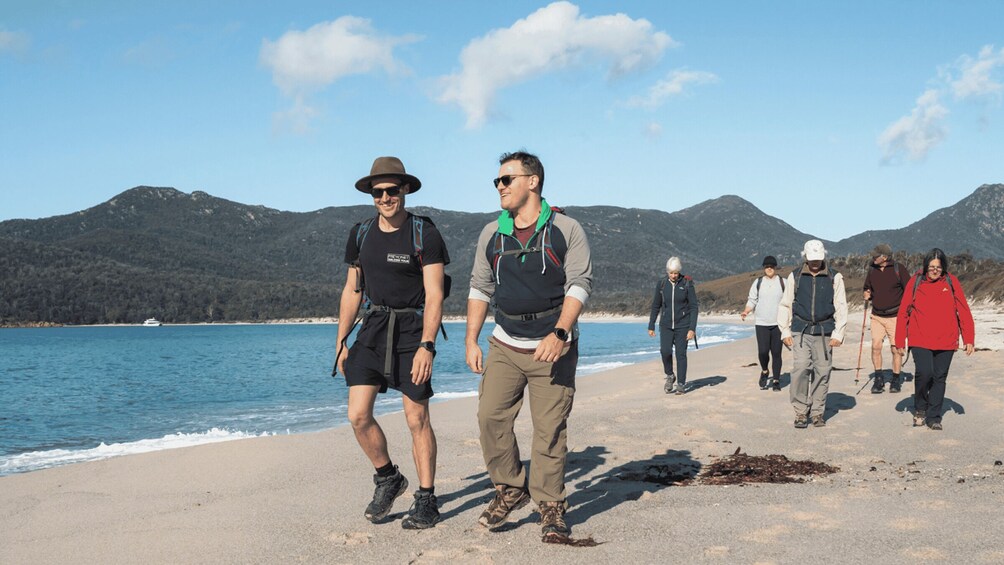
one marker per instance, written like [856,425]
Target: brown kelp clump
[740,468]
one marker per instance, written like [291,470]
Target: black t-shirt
[393,276]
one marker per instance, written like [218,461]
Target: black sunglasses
[506,180]
[391,191]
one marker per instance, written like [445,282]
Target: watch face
[562,334]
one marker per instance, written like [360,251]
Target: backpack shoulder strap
[363,231]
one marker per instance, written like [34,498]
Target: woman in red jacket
[931,316]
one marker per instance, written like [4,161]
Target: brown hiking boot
[552,519]
[506,500]
[801,421]
[818,421]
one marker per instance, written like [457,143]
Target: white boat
[152,322]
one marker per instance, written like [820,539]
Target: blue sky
[836,117]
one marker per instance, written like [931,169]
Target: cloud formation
[553,38]
[14,41]
[303,62]
[913,136]
[672,85]
[976,74]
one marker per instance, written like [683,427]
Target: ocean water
[83,393]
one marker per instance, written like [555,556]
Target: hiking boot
[387,491]
[424,512]
[878,384]
[775,384]
[895,385]
[670,381]
[818,421]
[506,500]
[918,419]
[763,380]
[679,389]
[552,519]
[801,421]
[934,426]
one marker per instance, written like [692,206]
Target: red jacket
[936,316]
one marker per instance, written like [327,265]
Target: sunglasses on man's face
[506,180]
[391,191]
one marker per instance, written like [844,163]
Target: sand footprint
[353,538]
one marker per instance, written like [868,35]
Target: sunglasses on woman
[391,191]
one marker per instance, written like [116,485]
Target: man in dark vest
[396,345]
[884,285]
[533,265]
[812,317]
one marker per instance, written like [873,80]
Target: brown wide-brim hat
[388,167]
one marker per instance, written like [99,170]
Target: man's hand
[690,335]
[421,366]
[868,295]
[549,349]
[835,342]
[743,315]
[788,341]
[970,348]
[474,359]
[651,333]
[343,353]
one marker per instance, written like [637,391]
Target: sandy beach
[901,494]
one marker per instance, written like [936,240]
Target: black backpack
[760,280]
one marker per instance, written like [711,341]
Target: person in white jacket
[812,317]
[764,298]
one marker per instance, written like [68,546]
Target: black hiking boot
[387,491]
[424,512]
[763,380]
[775,384]
[506,500]
[896,384]
[878,383]
[670,381]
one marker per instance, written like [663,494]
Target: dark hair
[530,162]
[940,256]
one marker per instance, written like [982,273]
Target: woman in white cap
[676,300]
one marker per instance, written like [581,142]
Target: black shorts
[364,366]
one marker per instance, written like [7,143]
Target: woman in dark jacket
[676,299]
[931,316]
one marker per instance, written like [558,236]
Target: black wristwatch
[429,346]
[561,333]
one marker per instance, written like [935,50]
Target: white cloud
[976,74]
[553,38]
[306,60]
[14,41]
[303,62]
[670,86]
[653,130]
[914,135]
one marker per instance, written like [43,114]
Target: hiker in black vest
[398,260]
[884,285]
[532,266]
[764,297]
[676,300]
[812,317]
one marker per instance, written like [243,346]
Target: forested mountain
[194,257]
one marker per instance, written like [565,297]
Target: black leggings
[768,343]
[930,380]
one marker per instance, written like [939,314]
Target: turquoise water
[78,394]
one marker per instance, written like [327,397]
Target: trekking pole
[861,345]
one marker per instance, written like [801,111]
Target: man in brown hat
[397,260]
[884,285]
